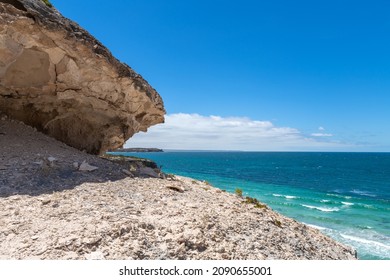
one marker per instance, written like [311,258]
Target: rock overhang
[58,78]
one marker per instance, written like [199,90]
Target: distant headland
[139,150]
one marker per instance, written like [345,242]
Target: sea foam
[322,209]
[365,241]
[290,196]
[363,193]
[347,203]
[285,196]
[317,227]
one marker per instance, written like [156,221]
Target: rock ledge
[56,77]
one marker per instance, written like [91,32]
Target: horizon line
[262,151]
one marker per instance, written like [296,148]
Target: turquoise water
[345,195]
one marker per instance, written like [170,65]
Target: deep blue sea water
[345,195]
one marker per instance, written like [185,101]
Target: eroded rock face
[56,77]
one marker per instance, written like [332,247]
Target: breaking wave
[322,209]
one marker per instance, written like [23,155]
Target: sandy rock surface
[52,210]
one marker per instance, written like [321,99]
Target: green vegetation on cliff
[47,2]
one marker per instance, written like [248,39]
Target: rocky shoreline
[51,209]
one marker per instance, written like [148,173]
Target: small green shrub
[277,222]
[238,192]
[47,2]
[260,206]
[255,202]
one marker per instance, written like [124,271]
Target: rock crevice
[58,78]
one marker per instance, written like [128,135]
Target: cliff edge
[58,78]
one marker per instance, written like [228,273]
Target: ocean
[344,195]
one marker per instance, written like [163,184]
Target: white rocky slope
[51,210]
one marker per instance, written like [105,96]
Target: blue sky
[254,75]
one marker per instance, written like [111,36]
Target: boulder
[58,78]
[85,166]
[148,172]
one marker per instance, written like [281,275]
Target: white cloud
[321,135]
[321,128]
[197,132]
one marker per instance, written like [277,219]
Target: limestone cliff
[56,77]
